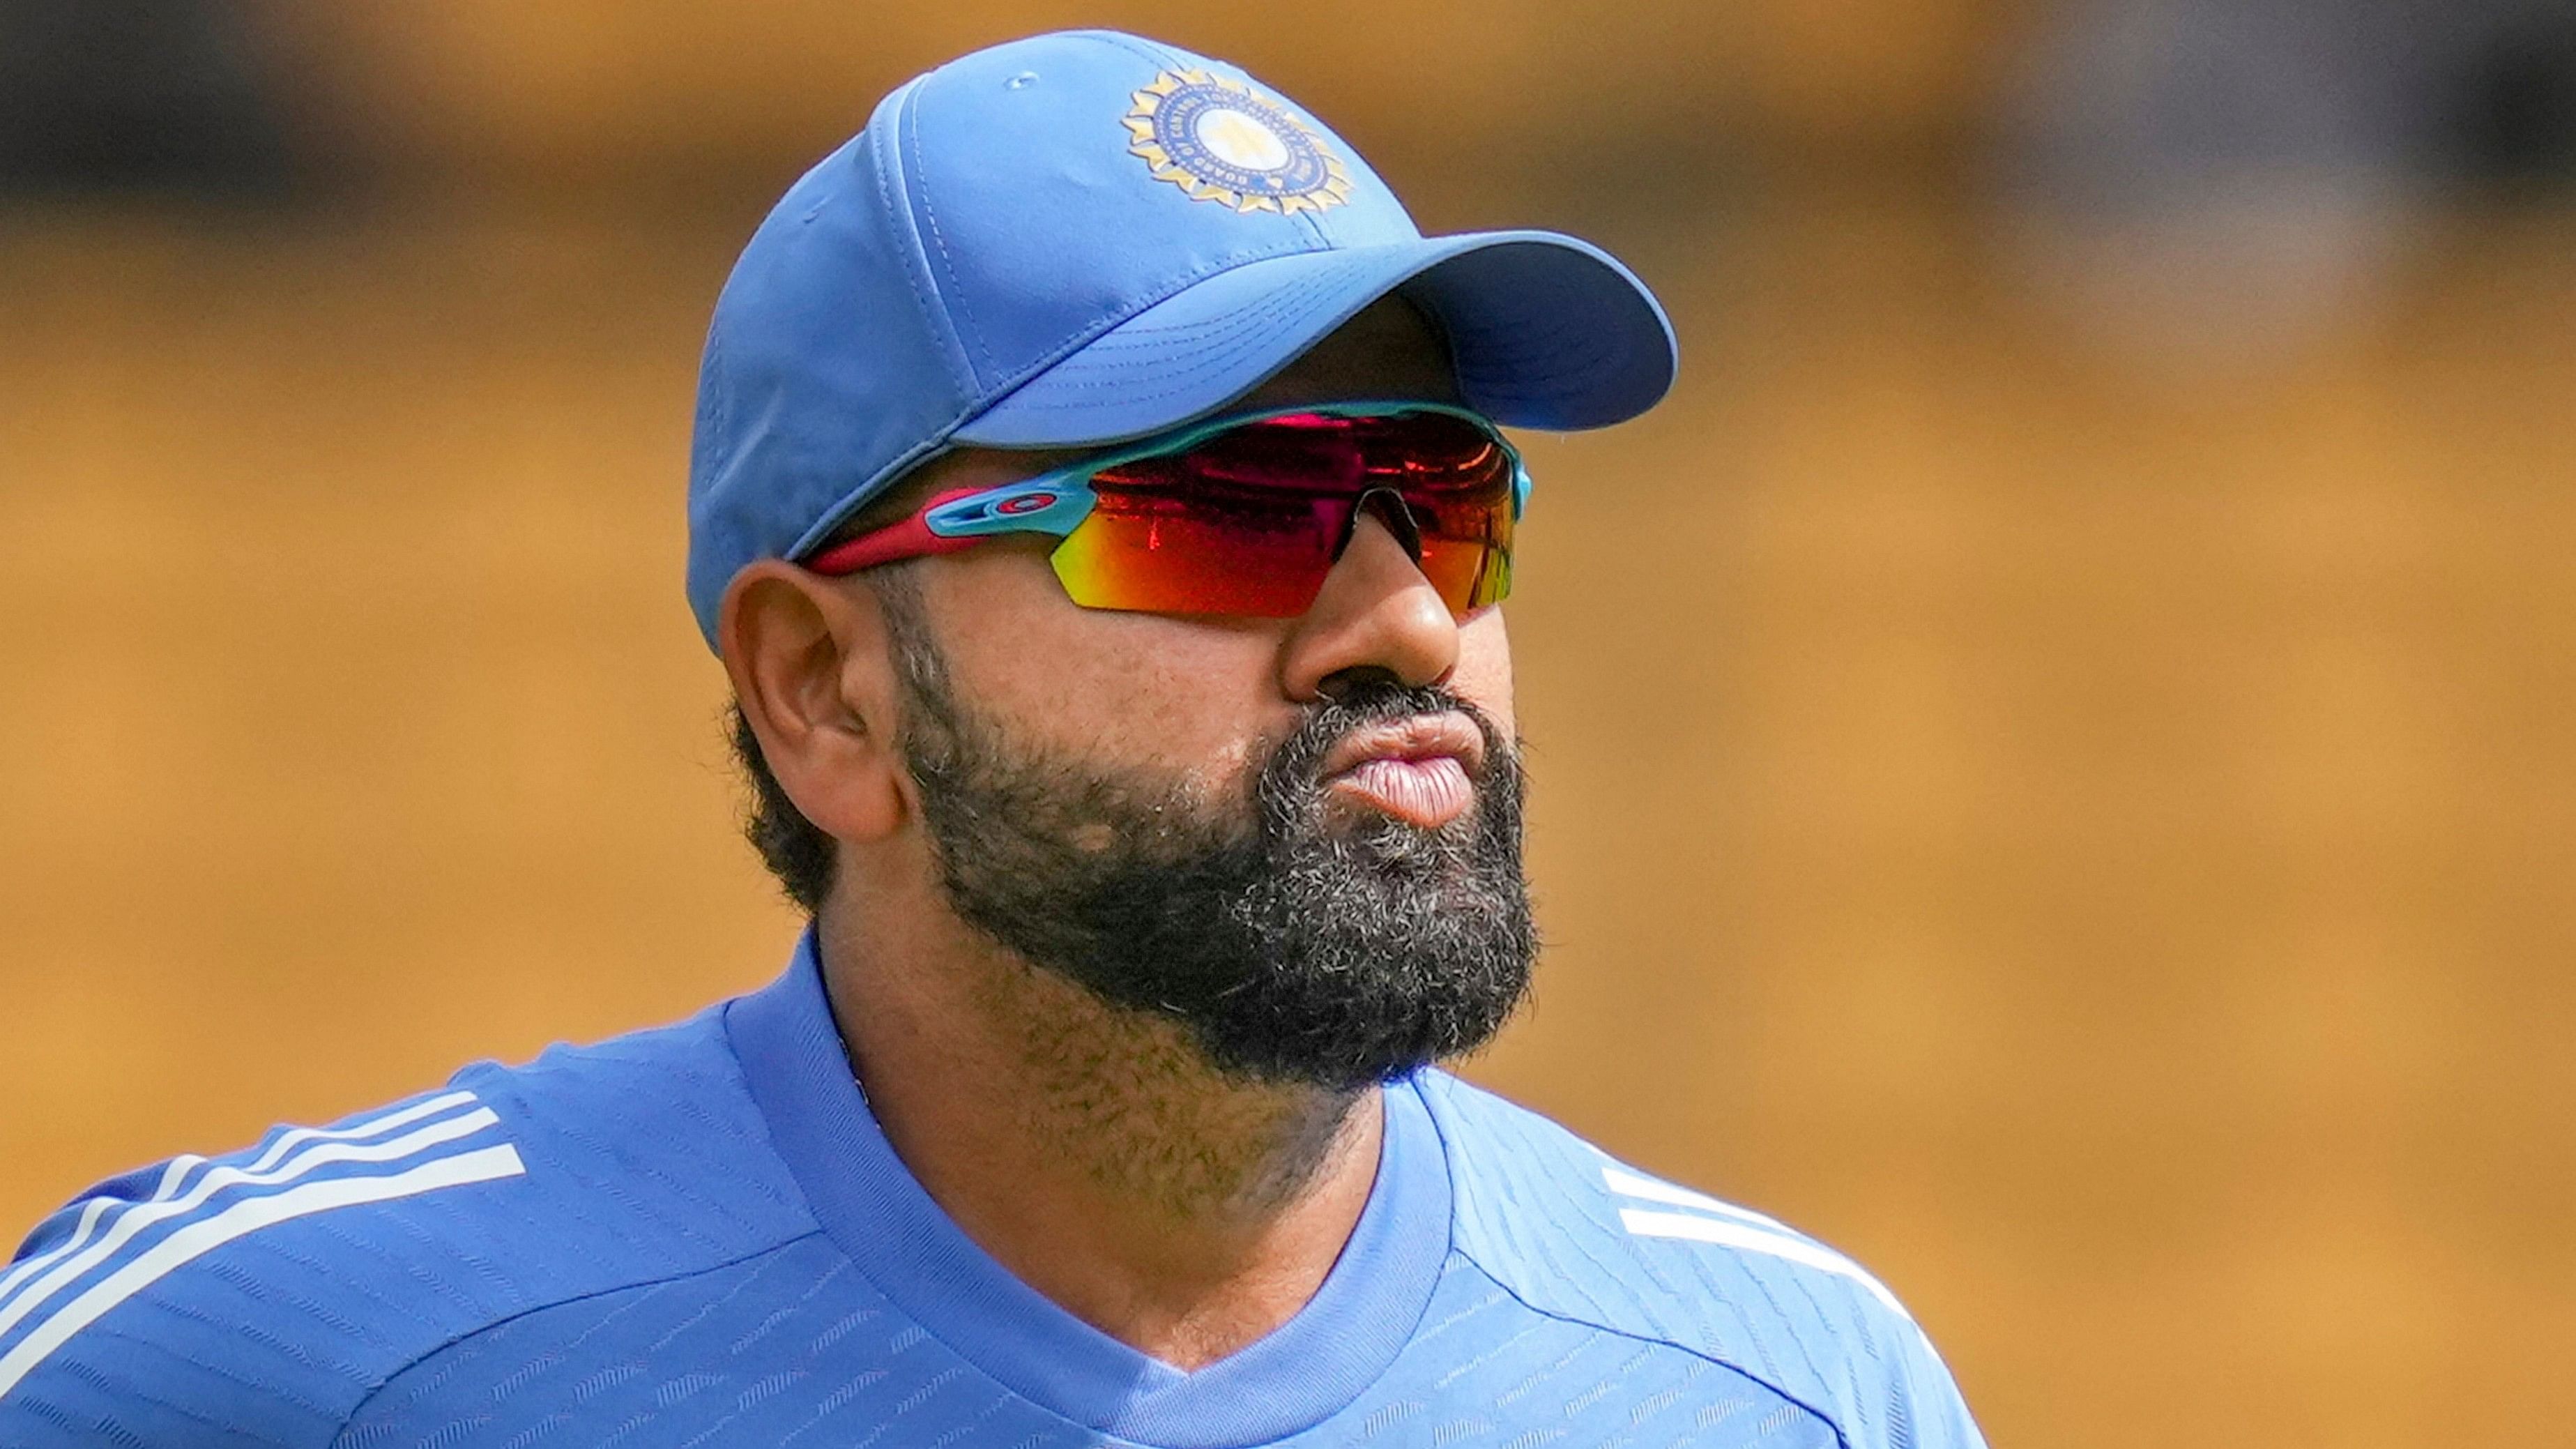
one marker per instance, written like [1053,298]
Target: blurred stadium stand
[107,96]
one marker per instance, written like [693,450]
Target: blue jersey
[698,1236]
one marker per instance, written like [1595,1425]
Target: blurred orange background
[2053,749]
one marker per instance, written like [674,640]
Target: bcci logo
[1219,141]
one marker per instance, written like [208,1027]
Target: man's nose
[1376,611]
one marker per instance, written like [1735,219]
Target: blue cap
[1086,237]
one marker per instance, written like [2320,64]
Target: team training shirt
[697,1236]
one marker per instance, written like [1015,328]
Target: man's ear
[811,666]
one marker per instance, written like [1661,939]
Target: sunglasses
[1246,515]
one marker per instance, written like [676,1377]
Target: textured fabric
[697,1236]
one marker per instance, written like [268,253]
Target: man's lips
[1419,769]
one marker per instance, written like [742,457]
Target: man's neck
[1094,1151]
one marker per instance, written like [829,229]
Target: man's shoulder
[1576,1234]
[260,1296]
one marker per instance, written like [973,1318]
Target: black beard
[1292,952]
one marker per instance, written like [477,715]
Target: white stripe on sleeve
[1753,1240]
[136,1219]
[205,1235]
[1629,1184]
[175,1173]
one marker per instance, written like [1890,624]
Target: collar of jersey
[1297,1376]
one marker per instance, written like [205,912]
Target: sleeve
[240,1302]
[103,1340]
[1928,1411]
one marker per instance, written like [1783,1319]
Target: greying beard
[1291,951]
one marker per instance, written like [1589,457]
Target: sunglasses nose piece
[1391,510]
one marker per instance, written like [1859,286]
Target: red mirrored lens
[1249,521]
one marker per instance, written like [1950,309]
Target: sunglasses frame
[1057,501]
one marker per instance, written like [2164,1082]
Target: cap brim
[1544,331]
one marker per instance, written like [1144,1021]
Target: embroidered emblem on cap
[1219,140]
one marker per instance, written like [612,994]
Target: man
[1098,510]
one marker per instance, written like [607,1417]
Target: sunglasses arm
[962,518]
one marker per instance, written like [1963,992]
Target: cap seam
[959,316]
[853,499]
[1214,358]
[1140,338]
[719,416]
[893,191]
[1087,335]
